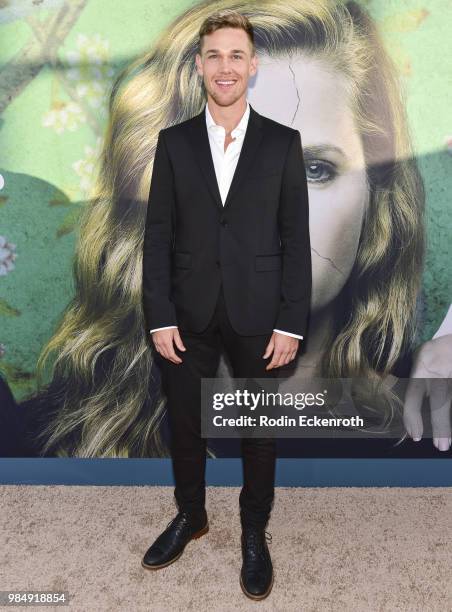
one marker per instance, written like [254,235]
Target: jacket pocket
[182,260]
[268,262]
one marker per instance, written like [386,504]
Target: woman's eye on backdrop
[319,171]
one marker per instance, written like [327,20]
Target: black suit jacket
[257,244]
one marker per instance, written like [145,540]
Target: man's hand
[284,350]
[163,341]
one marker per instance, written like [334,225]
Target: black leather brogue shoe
[256,576]
[170,544]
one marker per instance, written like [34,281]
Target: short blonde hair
[226,18]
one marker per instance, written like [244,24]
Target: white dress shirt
[225,163]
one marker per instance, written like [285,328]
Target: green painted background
[47,173]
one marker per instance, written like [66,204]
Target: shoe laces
[181,519]
[255,541]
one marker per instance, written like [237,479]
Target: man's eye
[236,56]
[319,171]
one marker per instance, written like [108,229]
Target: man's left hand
[284,350]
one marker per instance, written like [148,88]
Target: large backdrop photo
[85,88]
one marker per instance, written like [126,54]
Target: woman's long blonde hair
[104,389]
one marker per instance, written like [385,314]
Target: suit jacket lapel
[200,141]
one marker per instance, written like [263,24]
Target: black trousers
[182,386]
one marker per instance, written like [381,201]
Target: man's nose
[225,64]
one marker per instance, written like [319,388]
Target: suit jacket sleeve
[293,218]
[159,310]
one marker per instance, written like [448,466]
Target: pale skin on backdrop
[227,55]
[336,174]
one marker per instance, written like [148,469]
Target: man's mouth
[225,83]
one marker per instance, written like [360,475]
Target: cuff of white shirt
[288,334]
[158,328]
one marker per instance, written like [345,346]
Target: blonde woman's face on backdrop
[226,64]
[305,95]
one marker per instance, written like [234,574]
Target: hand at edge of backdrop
[431,377]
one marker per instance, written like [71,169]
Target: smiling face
[226,64]
[307,96]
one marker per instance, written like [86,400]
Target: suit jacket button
[224,222]
[217,263]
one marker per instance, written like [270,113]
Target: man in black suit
[226,263]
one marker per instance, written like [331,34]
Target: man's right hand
[163,341]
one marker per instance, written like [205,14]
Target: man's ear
[254,63]
[198,64]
